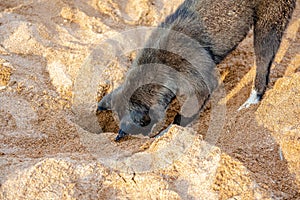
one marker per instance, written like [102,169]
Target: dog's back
[221,25]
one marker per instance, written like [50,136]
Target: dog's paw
[163,132]
[254,98]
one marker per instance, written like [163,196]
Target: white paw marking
[253,99]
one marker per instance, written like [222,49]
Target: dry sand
[46,154]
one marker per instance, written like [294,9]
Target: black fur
[218,27]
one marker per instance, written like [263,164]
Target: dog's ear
[140,118]
[105,103]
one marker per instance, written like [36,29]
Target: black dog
[191,42]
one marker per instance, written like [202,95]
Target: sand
[51,53]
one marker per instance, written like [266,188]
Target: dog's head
[138,111]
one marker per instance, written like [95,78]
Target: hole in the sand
[108,123]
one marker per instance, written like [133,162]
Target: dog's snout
[121,134]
